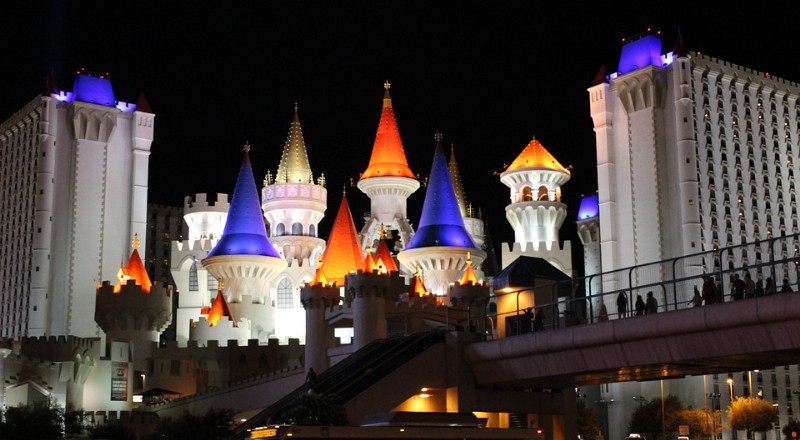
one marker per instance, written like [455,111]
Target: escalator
[352,375]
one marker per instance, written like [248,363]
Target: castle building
[165,224]
[694,154]
[73,190]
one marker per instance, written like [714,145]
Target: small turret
[442,243]
[134,309]
[387,181]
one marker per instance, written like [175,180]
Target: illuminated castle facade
[73,191]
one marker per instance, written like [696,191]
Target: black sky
[488,75]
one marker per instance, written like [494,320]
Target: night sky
[488,75]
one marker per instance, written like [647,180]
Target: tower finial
[295,106]
[135,241]
[386,85]
[344,189]
[246,147]
[438,135]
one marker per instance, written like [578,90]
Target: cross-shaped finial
[438,136]
[246,147]
[382,233]
[386,85]
[135,242]
[295,106]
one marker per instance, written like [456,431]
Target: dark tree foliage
[213,425]
[789,428]
[588,428]
[647,419]
[111,431]
[314,410]
[752,414]
[43,420]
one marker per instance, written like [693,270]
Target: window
[193,278]
[285,299]
[213,285]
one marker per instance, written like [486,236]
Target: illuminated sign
[264,433]
[119,381]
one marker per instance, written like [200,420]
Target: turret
[134,309]
[244,259]
[536,212]
[293,203]
[442,244]
[588,226]
[387,181]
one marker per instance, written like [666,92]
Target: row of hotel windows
[285,297]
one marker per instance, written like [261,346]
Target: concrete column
[369,317]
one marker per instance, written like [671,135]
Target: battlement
[151,311]
[201,203]
[193,245]
[54,348]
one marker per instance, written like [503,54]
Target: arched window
[312,231]
[285,297]
[193,278]
[297,228]
[543,194]
[526,196]
[280,230]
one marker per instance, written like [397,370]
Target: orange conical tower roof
[469,274]
[218,310]
[343,252]
[319,277]
[369,263]
[134,270]
[383,256]
[534,155]
[419,285]
[388,156]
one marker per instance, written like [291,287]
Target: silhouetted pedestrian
[709,292]
[311,376]
[603,316]
[639,305]
[737,288]
[769,288]
[786,287]
[538,320]
[622,304]
[527,321]
[650,304]
[697,299]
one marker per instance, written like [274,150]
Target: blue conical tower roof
[441,223]
[245,233]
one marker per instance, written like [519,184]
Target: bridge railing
[579,300]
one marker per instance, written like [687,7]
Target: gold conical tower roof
[294,166]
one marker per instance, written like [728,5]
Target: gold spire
[135,241]
[386,85]
[246,147]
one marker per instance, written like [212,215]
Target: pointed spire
[142,105]
[680,49]
[600,76]
[294,166]
[458,186]
[218,310]
[133,270]
[343,253]
[319,277]
[388,156]
[383,255]
[469,274]
[534,155]
[419,285]
[369,263]
[441,223]
[245,233]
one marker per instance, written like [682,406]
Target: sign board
[683,429]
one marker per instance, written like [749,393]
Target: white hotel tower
[73,191]
[693,154]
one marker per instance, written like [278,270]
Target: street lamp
[714,397]
[605,403]
[640,399]
[730,385]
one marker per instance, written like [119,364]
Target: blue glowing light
[245,233]
[95,90]
[645,51]
[589,208]
[441,223]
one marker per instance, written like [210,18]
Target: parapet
[201,203]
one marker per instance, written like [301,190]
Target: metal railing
[672,281]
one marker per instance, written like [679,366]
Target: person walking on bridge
[639,305]
[622,304]
[651,304]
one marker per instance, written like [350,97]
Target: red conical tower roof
[469,274]
[383,256]
[134,270]
[343,252]
[388,156]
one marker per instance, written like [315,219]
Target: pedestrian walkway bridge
[758,333]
